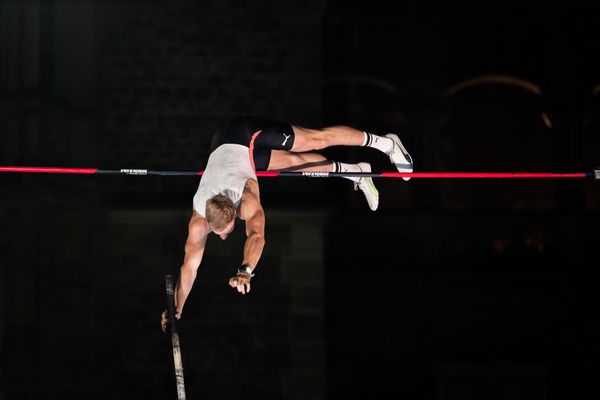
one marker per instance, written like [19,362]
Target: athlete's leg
[316,139]
[282,160]
[306,139]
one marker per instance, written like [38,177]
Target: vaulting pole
[175,344]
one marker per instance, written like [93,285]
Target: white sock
[342,167]
[380,143]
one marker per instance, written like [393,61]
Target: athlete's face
[223,233]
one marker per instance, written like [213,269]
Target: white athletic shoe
[399,156]
[368,188]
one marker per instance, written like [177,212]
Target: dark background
[479,289]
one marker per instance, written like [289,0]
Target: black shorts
[259,135]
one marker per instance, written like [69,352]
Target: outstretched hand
[164,319]
[241,282]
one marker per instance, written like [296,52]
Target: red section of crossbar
[267,174]
[50,170]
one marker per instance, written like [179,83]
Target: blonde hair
[220,211]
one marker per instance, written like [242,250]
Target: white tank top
[226,173]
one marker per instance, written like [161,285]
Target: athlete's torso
[226,173]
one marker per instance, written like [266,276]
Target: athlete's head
[220,214]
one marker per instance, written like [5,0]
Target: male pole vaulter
[229,187]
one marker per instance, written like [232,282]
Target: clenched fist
[241,282]
[164,319]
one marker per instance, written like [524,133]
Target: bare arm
[198,230]
[255,241]
[252,212]
[254,215]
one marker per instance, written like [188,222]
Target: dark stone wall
[440,305]
[172,73]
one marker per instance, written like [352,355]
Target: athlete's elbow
[189,271]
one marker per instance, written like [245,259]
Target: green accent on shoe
[372,187]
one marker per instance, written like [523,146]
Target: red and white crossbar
[271,174]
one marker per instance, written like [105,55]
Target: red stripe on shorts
[251,148]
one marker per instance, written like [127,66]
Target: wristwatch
[244,269]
